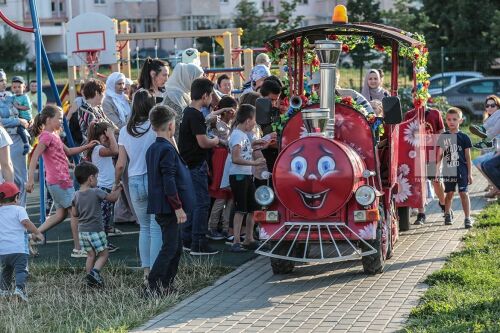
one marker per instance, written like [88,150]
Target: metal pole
[38,55]
[442,68]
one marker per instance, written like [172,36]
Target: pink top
[56,162]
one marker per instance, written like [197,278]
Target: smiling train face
[314,176]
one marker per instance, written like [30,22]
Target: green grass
[464,296]
[59,301]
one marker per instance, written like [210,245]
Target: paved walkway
[323,297]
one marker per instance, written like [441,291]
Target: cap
[18,79]
[8,190]
[3,76]
[191,56]
[260,72]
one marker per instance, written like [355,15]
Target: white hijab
[178,86]
[373,93]
[120,100]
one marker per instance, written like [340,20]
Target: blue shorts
[462,180]
[62,197]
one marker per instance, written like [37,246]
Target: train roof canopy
[382,34]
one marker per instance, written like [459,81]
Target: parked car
[58,60]
[469,95]
[441,81]
[147,52]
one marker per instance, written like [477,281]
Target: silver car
[441,81]
[469,95]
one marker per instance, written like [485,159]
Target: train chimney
[328,52]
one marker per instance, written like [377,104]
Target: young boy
[13,241]
[170,197]
[193,147]
[21,109]
[86,207]
[454,146]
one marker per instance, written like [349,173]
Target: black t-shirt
[193,124]
[453,146]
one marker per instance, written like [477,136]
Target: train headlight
[365,195]
[264,195]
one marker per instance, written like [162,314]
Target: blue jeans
[491,169]
[13,264]
[164,270]
[196,227]
[150,239]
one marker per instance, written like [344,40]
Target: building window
[100,2]
[303,2]
[224,1]
[3,2]
[142,25]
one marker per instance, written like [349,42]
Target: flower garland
[417,55]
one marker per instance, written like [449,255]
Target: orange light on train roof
[339,14]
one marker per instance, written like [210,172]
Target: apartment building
[154,15]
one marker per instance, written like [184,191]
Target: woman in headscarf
[372,86]
[178,88]
[116,104]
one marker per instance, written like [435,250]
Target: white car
[440,82]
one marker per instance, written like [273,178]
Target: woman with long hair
[153,75]
[133,142]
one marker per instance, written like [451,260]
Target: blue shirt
[453,146]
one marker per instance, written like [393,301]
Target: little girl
[59,183]
[240,175]
[102,157]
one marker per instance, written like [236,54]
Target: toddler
[21,108]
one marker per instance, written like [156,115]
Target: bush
[12,49]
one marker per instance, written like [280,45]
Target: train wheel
[374,264]
[404,218]
[282,266]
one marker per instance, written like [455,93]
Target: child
[170,197]
[59,183]
[193,147]
[86,206]
[219,125]
[102,157]
[240,175]
[13,241]
[454,146]
[21,109]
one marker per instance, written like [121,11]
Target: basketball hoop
[90,58]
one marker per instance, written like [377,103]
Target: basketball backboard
[90,36]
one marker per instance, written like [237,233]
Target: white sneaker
[78,253]
[21,294]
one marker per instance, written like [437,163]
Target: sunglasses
[490,106]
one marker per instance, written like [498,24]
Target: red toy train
[336,179]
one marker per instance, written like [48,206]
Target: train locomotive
[332,193]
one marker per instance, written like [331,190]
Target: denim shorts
[62,197]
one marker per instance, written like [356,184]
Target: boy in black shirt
[454,146]
[193,147]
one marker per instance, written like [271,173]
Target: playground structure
[94,39]
[41,57]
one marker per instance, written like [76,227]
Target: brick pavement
[324,297]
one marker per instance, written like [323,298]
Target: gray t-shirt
[240,138]
[88,209]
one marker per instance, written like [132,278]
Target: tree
[286,21]
[12,48]
[463,28]
[407,16]
[255,30]
[250,20]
